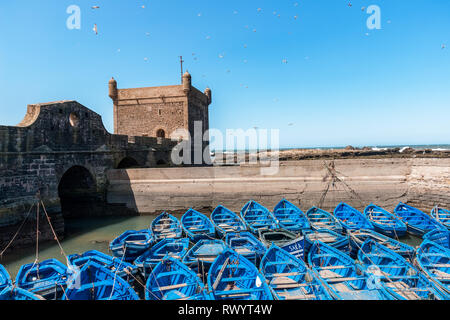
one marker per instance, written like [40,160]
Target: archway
[127,163]
[77,192]
[160,133]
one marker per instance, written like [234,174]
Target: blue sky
[323,78]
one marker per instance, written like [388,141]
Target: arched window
[161,133]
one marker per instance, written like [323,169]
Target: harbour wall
[422,182]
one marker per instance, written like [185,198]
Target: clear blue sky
[323,79]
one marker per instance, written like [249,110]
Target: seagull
[95,29]
[363,8]
[259,9]
[95,7]
[285,61]
[349,4]
[443,46]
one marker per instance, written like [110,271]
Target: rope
[17,232]
[54,233]
[117,270]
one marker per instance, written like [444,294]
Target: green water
[81,235]
[94,234]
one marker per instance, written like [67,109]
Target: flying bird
[443,46]
[95,7]
[95,29]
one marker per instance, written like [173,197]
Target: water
[81,235]
[94,234]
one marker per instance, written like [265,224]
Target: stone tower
[160,111]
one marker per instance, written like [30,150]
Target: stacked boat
[256,254]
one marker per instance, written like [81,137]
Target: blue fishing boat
[14,293]
[197,226]
[95,282]
[344,279]
[123,269]
[434,261]
[166,226]
[394,273]
[175,248]
[358,237]
[289,278]
[257,217]
[441,237]
[418,222]
[47,278]
[5,278]
[203,254]
[172,280]
[226,220]
[350,218]
[233,277]
[247,245]
[385,222]
[290,217]
[321,219]
[286,240]
[442,216]
[131,244]
[329,237]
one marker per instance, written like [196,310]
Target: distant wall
[421,182]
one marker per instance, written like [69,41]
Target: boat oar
[219,276]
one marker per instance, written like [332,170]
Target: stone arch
[127,162]
[160,133]
[162,163]
[77,191]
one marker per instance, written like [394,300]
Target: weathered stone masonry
[62,150]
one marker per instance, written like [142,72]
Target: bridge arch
[127,163]
[77,191]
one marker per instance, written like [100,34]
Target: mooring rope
[17,232]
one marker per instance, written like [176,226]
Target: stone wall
[64,144]
[421,182]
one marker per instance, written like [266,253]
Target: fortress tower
[160,111]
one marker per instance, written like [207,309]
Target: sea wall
[422,182]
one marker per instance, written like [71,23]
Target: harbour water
[93,234]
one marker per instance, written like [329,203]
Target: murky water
[94,234]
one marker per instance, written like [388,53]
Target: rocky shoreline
[347,153]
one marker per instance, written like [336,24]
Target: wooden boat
[396,274]
[14,293]
[442,216]
[5,278]
[203,254]
[113,264]
[290,217]
[344,279]
[247,245]
[47,278]
[434,261]
[321,219]
[327,236]
[197,226]
[441,237]
[385,222]
[289,278]
[233,277]
[95,282]
[172,280]
[175,248]
[257,217]
[358,237]
[131,244]
[418,222]
[286,240]
[226,220]
[166,226]
[350,218]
